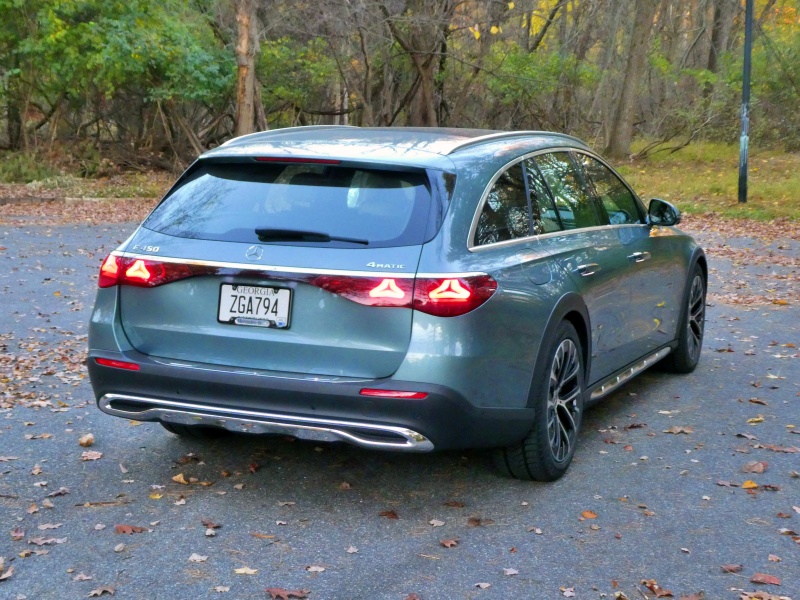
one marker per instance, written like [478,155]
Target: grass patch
[704,178]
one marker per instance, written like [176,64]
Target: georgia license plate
[255,305]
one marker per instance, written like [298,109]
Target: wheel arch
[572,308]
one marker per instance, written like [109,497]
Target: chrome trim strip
[612,383]
[250,421]
[298,270]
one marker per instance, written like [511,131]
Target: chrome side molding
[609,385]
[366,435]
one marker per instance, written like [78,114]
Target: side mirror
[661,212]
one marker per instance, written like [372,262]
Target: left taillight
[139,272]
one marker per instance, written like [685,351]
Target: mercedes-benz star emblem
[254,253]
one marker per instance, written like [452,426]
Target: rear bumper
[302,406]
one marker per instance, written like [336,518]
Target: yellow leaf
[475,32]
[588,514]
[245,571]
[749,485]
[156,496]
[495,30]
[661,304]
[179,478]
[758,419]
[510,6]
[56,293]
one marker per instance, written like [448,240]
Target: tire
[691,329]
[546,452]
[197,432]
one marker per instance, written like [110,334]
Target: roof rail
[270,132]
[508,134]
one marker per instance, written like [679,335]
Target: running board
[366,435]
[612,383]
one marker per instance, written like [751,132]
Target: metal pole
[744,140]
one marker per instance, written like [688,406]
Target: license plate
[255,305]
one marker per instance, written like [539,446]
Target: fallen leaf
[82,577]
[221,588]
[567,592]
[41,541]
[758,401]
[282,594]
[106,589]
[452,543]
[197,558]
[652,585]
[755,466]
[179,478]
[32,509]
[284,503]
[238,486]
[588,514]
[749,485]
[262,536]
[436,523]
[6,574]
[46,526]
[208,524]
[352,550]
[128,529]
[732,568]
[389,514]
[454,504]
[483,585]
[764,578]
[679,429]
[86,441]
[724,483]
[413,597]
[8,458]
[315,569]
[91,455]
[62,491]
[697,596]
[344,486]
[510,572]
[245,571]
[37,470]
[119,547]
[748,436]
[754,420]
[774,558]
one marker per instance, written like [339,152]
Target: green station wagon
[406,289]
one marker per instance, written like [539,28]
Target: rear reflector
[117,364]
[376,393]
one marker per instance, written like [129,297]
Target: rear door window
[229,201]
[545,216]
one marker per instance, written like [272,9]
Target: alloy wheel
[563,400]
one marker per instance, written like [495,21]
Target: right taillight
[439,296]
[451,297]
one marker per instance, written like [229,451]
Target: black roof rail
[269,133]
[508,134]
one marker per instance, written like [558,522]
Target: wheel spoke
[562,403]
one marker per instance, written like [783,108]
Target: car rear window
[229,201]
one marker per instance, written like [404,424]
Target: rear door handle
[639,256]
[587,269]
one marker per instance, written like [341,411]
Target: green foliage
[517,76]
[295,73]
[20,167]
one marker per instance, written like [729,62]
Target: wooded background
[148,83]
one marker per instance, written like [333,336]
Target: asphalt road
[287,510]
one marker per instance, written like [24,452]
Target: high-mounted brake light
[295,159]
[401,394]
[140,272]
[117,364]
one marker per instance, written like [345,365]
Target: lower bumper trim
[367,435]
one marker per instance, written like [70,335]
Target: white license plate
[255,305]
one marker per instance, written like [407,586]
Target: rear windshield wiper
[295,235]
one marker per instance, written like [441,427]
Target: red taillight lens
[371,291]
[140,272]
[117,364]
[404,395]
[443,297]
[440,296]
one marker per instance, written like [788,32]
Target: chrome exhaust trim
[609,385]
[251,421]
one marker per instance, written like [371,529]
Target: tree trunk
[621,131]
[244,120]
